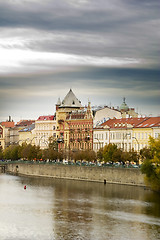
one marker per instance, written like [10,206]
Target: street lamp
[99,143]
[125,137]
[137,142]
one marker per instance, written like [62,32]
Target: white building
[117,131]
[45,127]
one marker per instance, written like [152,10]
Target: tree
[146,153]
[53,144]
[109,152]
[100,154]
[29,152]
[151,164]
[117,155]
[1,153]
[52,154]
[14,152]
[7,153]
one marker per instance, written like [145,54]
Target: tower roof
[124,106]
[71,101]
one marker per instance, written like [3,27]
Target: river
[58,209]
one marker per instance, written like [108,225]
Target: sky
[103,50]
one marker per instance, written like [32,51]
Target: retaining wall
[98,174]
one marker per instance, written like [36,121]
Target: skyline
[103,51]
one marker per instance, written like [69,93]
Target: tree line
[109,153]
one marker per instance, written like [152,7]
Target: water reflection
[64,209]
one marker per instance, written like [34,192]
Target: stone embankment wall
[98,174]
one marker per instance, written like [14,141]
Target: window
[157,135]
[0,143]
[106,135]
[113,136]
[54,127]
[146,135]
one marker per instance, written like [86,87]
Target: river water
[57,209]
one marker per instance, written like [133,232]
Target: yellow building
[142,131]
[127,133]
[26,135]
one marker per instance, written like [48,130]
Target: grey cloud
[123,78]
[58,15]
[118,28]
[104,28]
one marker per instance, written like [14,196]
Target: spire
[89,111]
[58,102]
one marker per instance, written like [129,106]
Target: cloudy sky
[103,50]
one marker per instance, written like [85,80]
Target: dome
[124,106]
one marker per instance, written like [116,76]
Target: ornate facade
[74,124]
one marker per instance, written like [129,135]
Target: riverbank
[84,173]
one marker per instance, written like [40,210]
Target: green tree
[29,152]
[151,164]
[7,153]
[14,152]
[117,155]
[130,156]
[100,154]
[109,152]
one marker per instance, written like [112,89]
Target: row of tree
[110,153]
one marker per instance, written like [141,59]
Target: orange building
[80,129]
[74,124]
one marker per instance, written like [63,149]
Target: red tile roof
[150,122]
[22,123]
[123,122]
[7,124]
[43,118]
